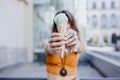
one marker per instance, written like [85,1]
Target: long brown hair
[71,20]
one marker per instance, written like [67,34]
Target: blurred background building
[16,37]
[103,21]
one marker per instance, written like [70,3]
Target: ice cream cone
[61,21]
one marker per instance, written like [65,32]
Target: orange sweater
[54,63]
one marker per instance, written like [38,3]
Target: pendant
[63,72]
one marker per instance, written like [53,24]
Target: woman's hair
[71,21]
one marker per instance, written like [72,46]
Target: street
[37,70]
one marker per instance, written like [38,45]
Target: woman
[63,68]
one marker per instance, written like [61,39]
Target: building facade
[15,32]
[103,18]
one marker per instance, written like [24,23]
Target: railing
[105,64]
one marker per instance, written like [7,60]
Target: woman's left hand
[71,39]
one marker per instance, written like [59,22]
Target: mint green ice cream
[61,20]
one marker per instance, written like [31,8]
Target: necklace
[63,71]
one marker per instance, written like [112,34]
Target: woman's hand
[72,40]
[56,43]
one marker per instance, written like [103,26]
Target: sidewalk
[36,70]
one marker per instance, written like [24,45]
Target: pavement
[37,70]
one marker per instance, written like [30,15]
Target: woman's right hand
[56,43]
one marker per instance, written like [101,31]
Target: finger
[56,35]
[57,48]
[50,41]
[69,36]
[72,43]
[54,39]
[69,31]
[70,40]
[76,37]
[56,44]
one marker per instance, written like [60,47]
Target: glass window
[94,20]
[103,21]
[103,5]
[94,5]
[112,5]
[113,20]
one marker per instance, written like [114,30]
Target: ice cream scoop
[61,21]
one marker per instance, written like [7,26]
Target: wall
[14,32]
